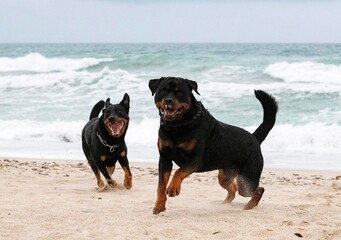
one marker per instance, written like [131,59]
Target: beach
[48,191]
[58,199]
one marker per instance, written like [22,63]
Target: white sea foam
[36,62]
[305,72]
[312,138]
[308,138]
[69,80]
[28,130]
[45,101]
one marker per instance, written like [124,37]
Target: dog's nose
[169,101]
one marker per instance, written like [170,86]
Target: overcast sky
[170,21]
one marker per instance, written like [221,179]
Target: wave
[312,138]
[307,72]
[68,80]
[36,62]
[309,138]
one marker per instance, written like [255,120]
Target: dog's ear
[125,101]
[153,83]
[107,102]
[192,85]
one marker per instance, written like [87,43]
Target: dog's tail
[96,109]
[270,108]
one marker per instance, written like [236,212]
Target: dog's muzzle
[115,127]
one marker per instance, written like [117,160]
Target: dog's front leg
[106,175]
[128,177]
[165,169]
[180,174]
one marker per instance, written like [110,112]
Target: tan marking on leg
[127,178]
[188,146]
[231,192]
[160,203]
[255,199]
[111,170]
[101,185]
[175,185]
[229,185]
[113,183]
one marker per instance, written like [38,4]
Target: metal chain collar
[111,147]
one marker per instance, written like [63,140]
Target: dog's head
[173,96]
[116,116]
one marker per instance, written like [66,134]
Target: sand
[59,200]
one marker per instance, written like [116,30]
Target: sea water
[48,90]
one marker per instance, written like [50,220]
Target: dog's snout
[169,101]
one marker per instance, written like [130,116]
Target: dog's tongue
[170,112]
[115,127]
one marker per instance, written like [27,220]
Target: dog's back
[89,128]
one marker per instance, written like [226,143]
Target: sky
[110,21]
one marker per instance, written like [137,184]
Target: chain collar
[200,109]
[111,147]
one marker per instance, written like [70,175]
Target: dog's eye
[178,93]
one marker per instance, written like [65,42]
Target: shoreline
[57,199]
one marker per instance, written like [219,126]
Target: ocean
[48,90]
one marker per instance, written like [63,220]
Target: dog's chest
[180,150]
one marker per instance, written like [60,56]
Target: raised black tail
[96,109]
[270,108]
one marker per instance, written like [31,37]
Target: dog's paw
[102,188]
[113,183]
[159,208]
[173,191]
[128,182]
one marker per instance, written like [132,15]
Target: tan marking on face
[180,107]
[158,105]
[188,146]
[103,158]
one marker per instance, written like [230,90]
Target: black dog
[191,137]
[103,141]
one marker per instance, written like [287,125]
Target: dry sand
[59,200]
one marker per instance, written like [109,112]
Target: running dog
[103,141]
[191,137]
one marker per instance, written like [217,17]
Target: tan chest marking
[161,143]
[188,146]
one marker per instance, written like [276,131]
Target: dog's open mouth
[170,114]
[115,127]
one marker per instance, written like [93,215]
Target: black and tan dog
[191,137]
[103,141]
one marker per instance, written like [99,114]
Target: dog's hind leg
[226,179]
[248,187]
[255,198]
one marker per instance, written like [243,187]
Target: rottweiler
[191,137]
[103,141]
